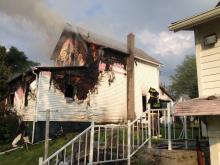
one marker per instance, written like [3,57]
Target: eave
[190,22]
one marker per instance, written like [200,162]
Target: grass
[31,156]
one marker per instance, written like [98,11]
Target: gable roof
[106,42]
[190,22]
[167,93]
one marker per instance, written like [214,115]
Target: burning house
[93,78]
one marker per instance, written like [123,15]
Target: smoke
[45,21]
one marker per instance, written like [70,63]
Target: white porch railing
[117,142]
[103,143]
[76,151]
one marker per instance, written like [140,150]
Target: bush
[8,125]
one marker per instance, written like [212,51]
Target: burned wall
[22,93]
[72,50]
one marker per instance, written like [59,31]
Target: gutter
[190,22]
[148,61]
[36,106]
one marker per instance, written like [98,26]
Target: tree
[4,72]
[18,61]
[12,62]
[184,81]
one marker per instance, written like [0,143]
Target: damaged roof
[106,42]
[37,69]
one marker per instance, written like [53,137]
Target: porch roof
[199,107]
[37,69]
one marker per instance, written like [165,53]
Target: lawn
[31,156]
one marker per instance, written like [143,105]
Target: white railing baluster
[165,124]
[137,134]
[64,155]
[129,143]
[133,137]
[158,124]
[142,131]
[105,145]
[72,153]
[85,149]
[79,149]
[98,144]
[118,133]
[111,141]
[146,129]
[57,159]
[123,141]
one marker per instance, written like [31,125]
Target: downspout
[35,110]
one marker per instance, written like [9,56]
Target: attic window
[210,40]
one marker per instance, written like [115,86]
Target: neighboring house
[206,27]
[89,81]
[165,97]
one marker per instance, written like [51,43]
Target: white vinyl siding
[28,112]
[208,60]
[109,105]
[146,76]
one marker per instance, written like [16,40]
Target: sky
[35,26]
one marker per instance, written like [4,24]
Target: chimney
[130,77]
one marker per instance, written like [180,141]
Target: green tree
[18,61]
[4,72]
[184,81]
[12,62]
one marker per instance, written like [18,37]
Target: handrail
[137,133]
[66,145]
[138,118]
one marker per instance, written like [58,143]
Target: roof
[199,107]
[191,22]
[106,42]
[167,93]
[37,69]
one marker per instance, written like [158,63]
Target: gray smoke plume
[44,19]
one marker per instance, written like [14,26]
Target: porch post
[91,144]
[169,126]
[149,125]
[40,160]
[46,144]
[185,131]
